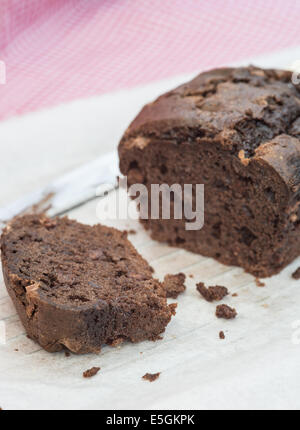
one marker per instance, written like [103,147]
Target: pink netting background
[59,50]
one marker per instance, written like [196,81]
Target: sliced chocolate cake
[78,287]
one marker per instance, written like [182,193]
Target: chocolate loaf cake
[78,287]
[235,130]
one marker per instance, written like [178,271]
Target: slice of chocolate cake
[237,132]
[78,287]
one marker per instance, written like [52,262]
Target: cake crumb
[67,354]
[16,349]
[210,294]
[131,231]
[91,372]
[117,342]
[234,294]
[221,335]
[259,283]
[151,376]
[225,311]
[191,276]
[174,285]
[296,274]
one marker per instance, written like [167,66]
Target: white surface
[256,366]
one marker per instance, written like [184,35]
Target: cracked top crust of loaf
[248,110]
[225,102]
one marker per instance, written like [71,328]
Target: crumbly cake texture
[78,287]
[174,285]
[226,312]
[217,292]
[235,130]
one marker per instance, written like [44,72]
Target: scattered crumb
[296,274]
[234,294]
[212,293]
[191,276]
[221,335]
[141,352]
[259,283]
[91,372]
[225,311]
[265,305]
[174,285]
[16,349]
[151,376]
[117,342]
[127,232]
[67,354]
